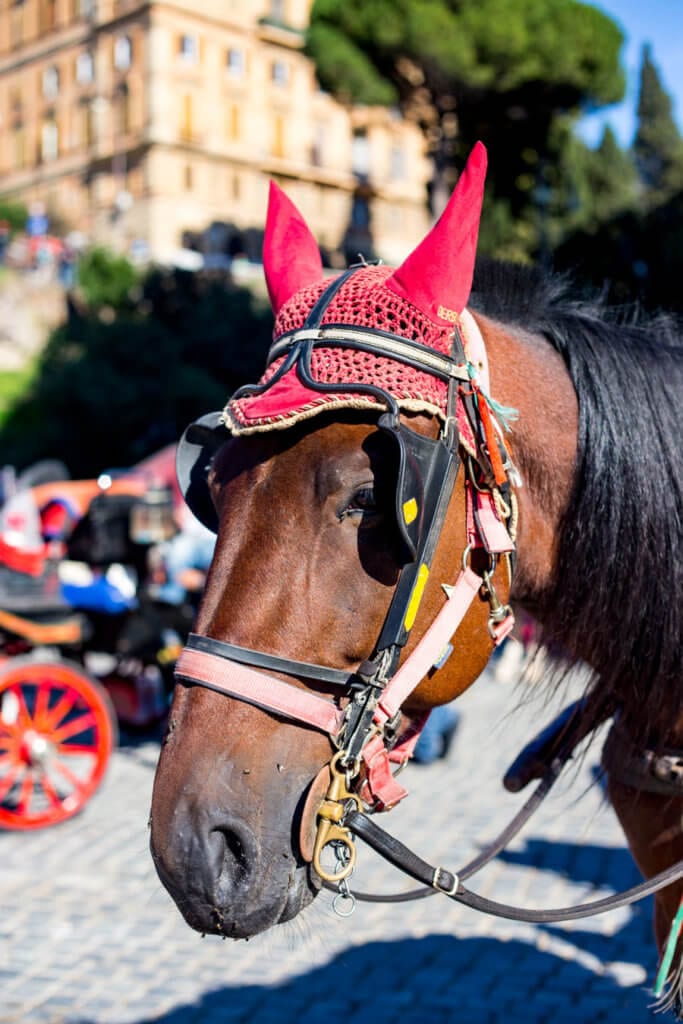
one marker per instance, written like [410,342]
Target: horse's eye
[363,501]
[361,504]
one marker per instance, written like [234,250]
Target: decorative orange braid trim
[499,474]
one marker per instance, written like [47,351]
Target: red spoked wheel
[57,732]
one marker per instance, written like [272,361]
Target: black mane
[616,600]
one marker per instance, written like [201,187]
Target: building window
[279,72]
[123,53]
[187,177]
[87,130]
[122,110]
[278,137]
[187,123]
[16,25]
[397,164]
[47,15]
[360,154]
[51,83]
[276,11]
[49,140]
[19,134]
[235,63]
[83,8]
[136,182]
[85,68]
[235,186]
[234,122]
[188,49]
[318,144]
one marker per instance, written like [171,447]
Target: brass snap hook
[498,611]
[331,830]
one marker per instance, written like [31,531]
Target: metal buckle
[668,768]
[436,882]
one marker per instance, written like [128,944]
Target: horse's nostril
[232,855]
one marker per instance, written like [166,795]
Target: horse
[379,514]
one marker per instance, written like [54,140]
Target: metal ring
[339,899]
[486,575]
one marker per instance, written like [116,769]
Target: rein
[439,879]
[547,755]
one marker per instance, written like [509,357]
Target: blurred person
[66,268]
[4,240]
[437,734]
[179,565]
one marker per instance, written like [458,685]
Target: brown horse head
[323,509]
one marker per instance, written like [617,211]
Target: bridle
[365,723]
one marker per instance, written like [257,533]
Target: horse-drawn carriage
[84,644]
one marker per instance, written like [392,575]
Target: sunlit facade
[141,124]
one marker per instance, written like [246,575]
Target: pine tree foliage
[612,179]
[658,146]
[503,71]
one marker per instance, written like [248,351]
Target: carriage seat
[29,582]
[32,605]
[44,628]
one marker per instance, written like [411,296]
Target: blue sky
[660,23]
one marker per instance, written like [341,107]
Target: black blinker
[194,455]
[421,469]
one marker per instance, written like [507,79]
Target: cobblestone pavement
[88,935]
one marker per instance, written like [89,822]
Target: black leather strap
[448,883]
[485,856]
[246,656]
[556,914]
[370,339]
[441,880]
[316,313]
[399,855]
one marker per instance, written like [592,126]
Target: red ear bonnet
[420,301]
[437,276]
[291,257]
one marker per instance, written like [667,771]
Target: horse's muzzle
[216,869]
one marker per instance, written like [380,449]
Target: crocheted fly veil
[420,301]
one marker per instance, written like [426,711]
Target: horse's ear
[437,276]
[291,257]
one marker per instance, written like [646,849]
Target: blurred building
[143,124]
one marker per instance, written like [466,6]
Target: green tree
[503,71]
[14,213]
[636,256]
[110,390]
[106,279]
[657,146]
[611,177]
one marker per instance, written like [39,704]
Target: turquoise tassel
[505,414]
[671,943]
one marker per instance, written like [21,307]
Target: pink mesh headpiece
[421,300]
